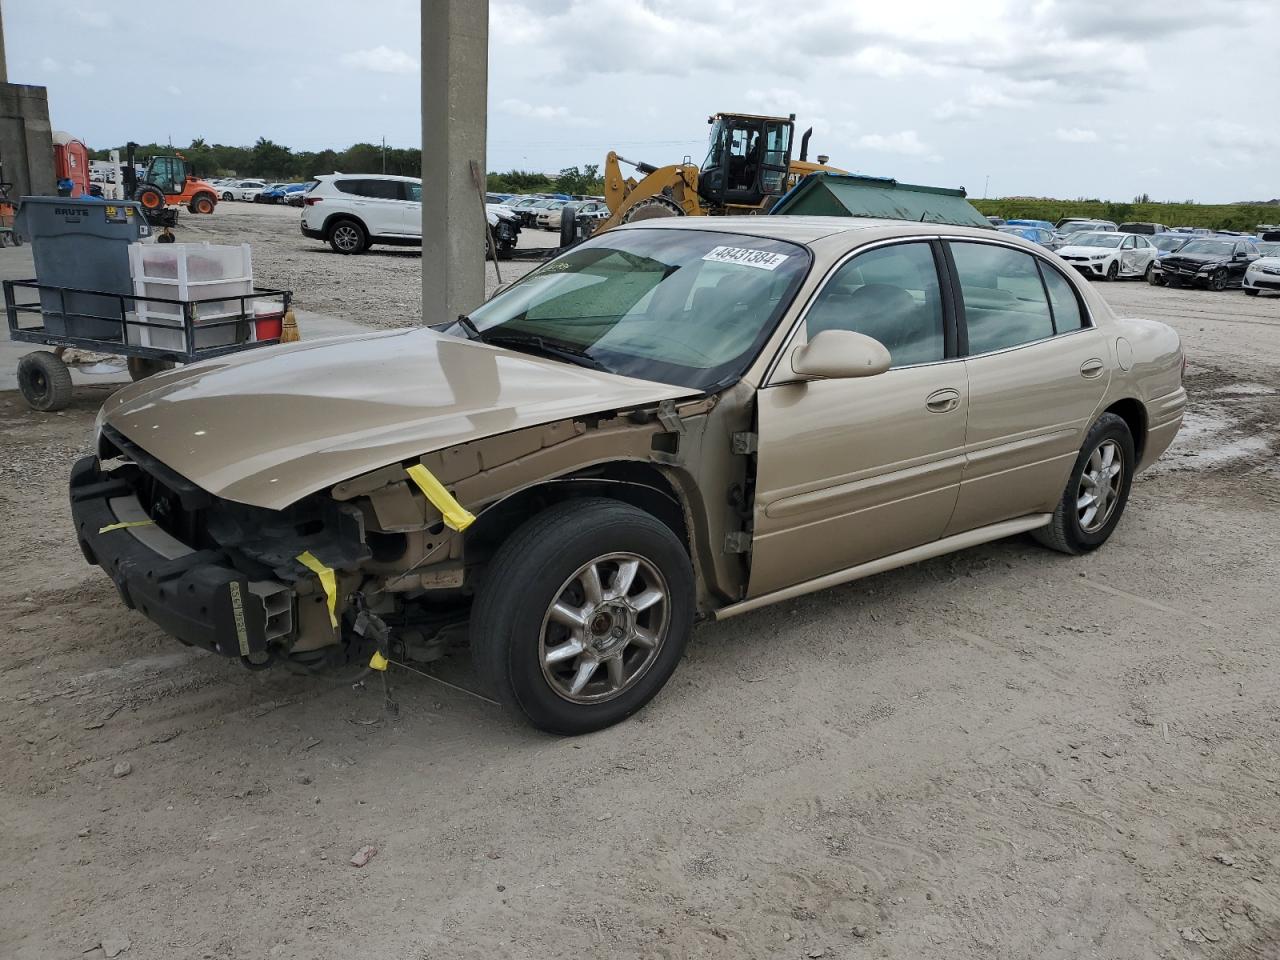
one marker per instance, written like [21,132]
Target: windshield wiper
[473,332]
[551,348]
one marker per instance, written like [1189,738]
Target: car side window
[382,189]
[414,192]
[890,294]
[1004,299]
[1128,243]
[1067,315]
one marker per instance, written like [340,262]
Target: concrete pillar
[455,82]
[26,140]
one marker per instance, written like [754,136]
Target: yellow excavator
[748,167]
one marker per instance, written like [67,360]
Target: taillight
[312,201]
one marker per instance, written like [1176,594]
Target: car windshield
[1269,249]
[1096,239]
[1217,248]
[688,307]
[1168,244]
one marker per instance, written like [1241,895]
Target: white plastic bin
[191,271]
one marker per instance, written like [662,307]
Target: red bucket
[268,321]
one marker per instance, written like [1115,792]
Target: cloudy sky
[1061,98]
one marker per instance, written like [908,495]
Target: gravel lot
[1004,753]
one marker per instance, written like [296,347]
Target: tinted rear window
[380,189]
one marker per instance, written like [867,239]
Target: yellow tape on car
[125,525]
[455,514]
[328,580]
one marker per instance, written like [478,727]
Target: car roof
[807,229]
[367,176]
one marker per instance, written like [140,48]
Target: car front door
[850,470]
[1128,255]
[1241,256]
[1037,370]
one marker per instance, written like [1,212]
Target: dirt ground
[1004,753]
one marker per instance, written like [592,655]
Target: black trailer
[45,379]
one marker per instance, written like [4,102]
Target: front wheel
[226,195]
[1218,281]
[1149,274]
[1113,271]
[583,615]
[44,380]
[1097,489]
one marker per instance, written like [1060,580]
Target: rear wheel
[1097,489]
[202,203]
[347,236]
[583,615]
[44,380]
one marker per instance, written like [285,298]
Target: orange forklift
[168,182]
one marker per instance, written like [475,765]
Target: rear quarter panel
[1149,369]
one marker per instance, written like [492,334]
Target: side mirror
[839,354]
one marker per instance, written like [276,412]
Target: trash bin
[81,243]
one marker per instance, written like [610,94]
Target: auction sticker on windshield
[745,256]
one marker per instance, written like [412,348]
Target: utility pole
[4,65]
[986,183]
[384,153]
[455,81]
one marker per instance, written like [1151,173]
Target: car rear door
[1037,370]
[849,470]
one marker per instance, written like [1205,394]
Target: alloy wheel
[1100,485]
[346,237]
[604,628]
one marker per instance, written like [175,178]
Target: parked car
[353,211]
[676,420]
[1040,235]
[273,194]
[528,212]
[294,193]
[1104,255]
[1213,262]
[1264,273]
[548,217]
[1144,228]
[1071,228]
[1068,224]
[1165,244]
[996,221]
[243,189]
[1045,224]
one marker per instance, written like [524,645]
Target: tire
[151,199]
[4,238]
[568,224]
[202,203]
[142,367]
[1113,271]
[653,208]
[347,236]
[226,195]
[505,247]
[1149,274]
[44,380]
[1218,281]
[15,238]
[1250,292]
[540,566]
[1073,530]
[1153,278]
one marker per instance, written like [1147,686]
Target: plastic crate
[188,272]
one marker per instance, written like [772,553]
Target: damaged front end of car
[389,560]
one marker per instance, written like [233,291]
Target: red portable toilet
[71,162]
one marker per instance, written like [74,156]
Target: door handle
[943,401]
[1091,368]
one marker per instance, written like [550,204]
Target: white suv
[354,210]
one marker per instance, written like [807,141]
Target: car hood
[1199,259]
[1084,251]
[1271,263]
[270,425]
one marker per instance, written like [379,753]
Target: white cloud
[905,142]
[381,59]
[81,69]
[49,65]
[1076,135]
[519,108]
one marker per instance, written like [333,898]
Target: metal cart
[45,379]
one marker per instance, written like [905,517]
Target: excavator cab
[748,159]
